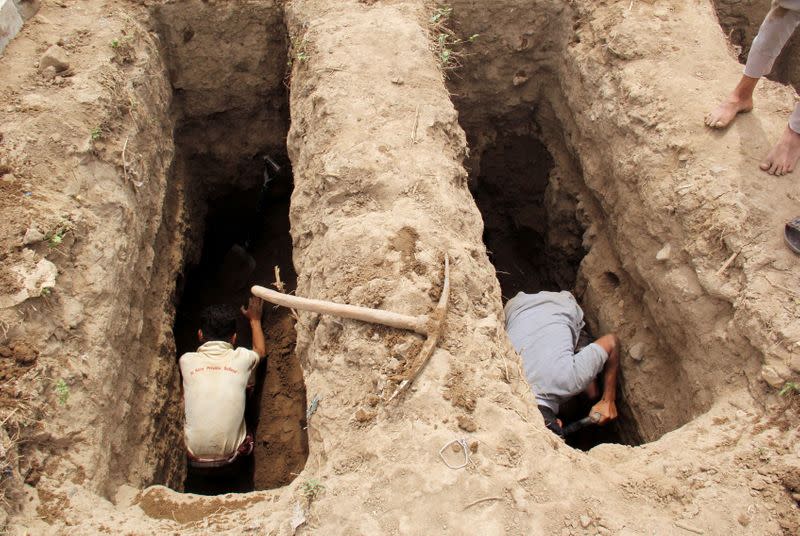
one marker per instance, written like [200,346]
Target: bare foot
[728,110]
[783,157]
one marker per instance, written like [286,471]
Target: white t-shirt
[214,382]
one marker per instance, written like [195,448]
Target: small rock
[743,519]
[758,484]
[473,446]
[466,423]
[520,78]
[24,354]
[794,363]
[363,415]
[716,169]
[373,400]
[585,521]
[796,497]
[49,72]
[398,81]
[664,253]
[637,351]
[56,57]
[28,8]
[772,377]
[32,235]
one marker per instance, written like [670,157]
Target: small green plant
[62,391]
[57,236]
[312,488]
[46,291]
[96,133]
[300,53]
[447,46]
[115,43]
[790,388]
[441,14]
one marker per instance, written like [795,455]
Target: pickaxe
[429,325]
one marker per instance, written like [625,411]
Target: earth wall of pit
[574,78]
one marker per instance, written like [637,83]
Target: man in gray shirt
[544,329]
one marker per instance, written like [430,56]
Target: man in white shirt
[215,380]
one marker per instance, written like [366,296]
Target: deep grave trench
[533,238]
[276,409]
[227,65]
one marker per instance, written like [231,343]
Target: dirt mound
[561,141]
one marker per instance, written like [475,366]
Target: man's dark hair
[218,322]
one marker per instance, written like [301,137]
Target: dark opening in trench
[276,409]
[534,241]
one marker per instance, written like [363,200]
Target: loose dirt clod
[54,57]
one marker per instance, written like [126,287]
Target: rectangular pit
[227,66]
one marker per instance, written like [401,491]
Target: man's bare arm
[607,406]
[253,314]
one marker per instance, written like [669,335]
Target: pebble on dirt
[466,423]
[32,235]
[55,57]
[637,351]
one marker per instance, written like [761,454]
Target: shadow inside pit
[276,409]
[534,241]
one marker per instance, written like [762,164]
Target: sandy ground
[680,217]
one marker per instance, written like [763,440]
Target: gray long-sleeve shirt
[544,329]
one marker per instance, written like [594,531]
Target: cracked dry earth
[542,144]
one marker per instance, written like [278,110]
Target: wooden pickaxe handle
[418,324]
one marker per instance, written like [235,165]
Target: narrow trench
[227,65]
[275,410]
[533,237]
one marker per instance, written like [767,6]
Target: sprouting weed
[115,43]
[62,391]
[790,388]
[447,46]
[312,488]
[300,53]
[96,133]
[440,14]
[57,236]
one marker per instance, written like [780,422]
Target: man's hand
[254,308]
[607,410]
[253,314]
